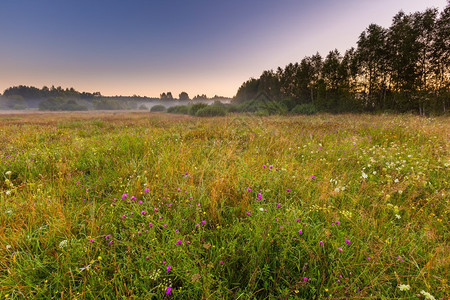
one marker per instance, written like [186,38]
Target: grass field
[142,206]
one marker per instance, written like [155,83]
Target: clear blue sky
[147,47]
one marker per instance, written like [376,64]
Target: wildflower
[150,225]
[364,175]
[63,244]
[8,193]
[143,212]
[261,209]
[248,213]
[288,190]
[133,198]
[313,176]
[108,236]
[264,166]
[146,190]
[203,222]
[249,189]
[8,173]
[140,201]
[124,196]
[398,216]
[99,258]
[110,243]
[404,287]
[340,249]
[91,240]
[270,167]
[221,262]
[369,258]
[179,242]
[320,243]
[169,289]
[168,268]
[305,278]
[427,295]
[300,231]
[123,217]
[278,205]
[337,222]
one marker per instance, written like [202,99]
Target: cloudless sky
[146,47]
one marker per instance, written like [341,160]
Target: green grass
[348,206]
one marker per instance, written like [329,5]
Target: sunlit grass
[99,205]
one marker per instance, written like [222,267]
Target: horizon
[145,49]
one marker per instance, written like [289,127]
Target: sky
[146,47]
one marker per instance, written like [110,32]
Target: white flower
[398,217]
[261,209]
[63,244]
[427,295]
[8,193]
[400,192]
[364,175]
[8,173]
[404,287]
[374,172]
[337,190]
[85,268]
[396,180]
[8,247]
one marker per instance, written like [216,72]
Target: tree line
[403,68]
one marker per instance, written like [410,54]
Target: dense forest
[403,68]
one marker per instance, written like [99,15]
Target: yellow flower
[99,258]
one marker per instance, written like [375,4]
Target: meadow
[157,206]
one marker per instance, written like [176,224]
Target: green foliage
[211,111]
[304,109]
[158,108]
[178,109]
[194,108]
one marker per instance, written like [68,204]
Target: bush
[178,109]
[143,107]
[211,111]
[157,108]
[304,109]
[196,107]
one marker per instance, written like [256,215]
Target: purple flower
[203,222]
[320,243]
[337,222]
[168,268]
[305,278]
[123,217]
[108,236]
[264,166]
[150,225]
[248,213]
[340,249]
[140,201]
[348,242]
[169,289]
[133,198]
[143,212]
[124,196]
[249,189]
[300,231]
[369,258]
[270,167]
[147,258]
[312,176]
[91,240]
[110,243]
[146,190]
[279,205]
[179,242]
[288,190]
[221,262]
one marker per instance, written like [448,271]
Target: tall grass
[132,205]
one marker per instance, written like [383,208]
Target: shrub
[143,107]
[196,107]
[157,108]
[211,111]
[304,109]
[178,109]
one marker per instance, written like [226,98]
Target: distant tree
[183,96]
[169,96]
